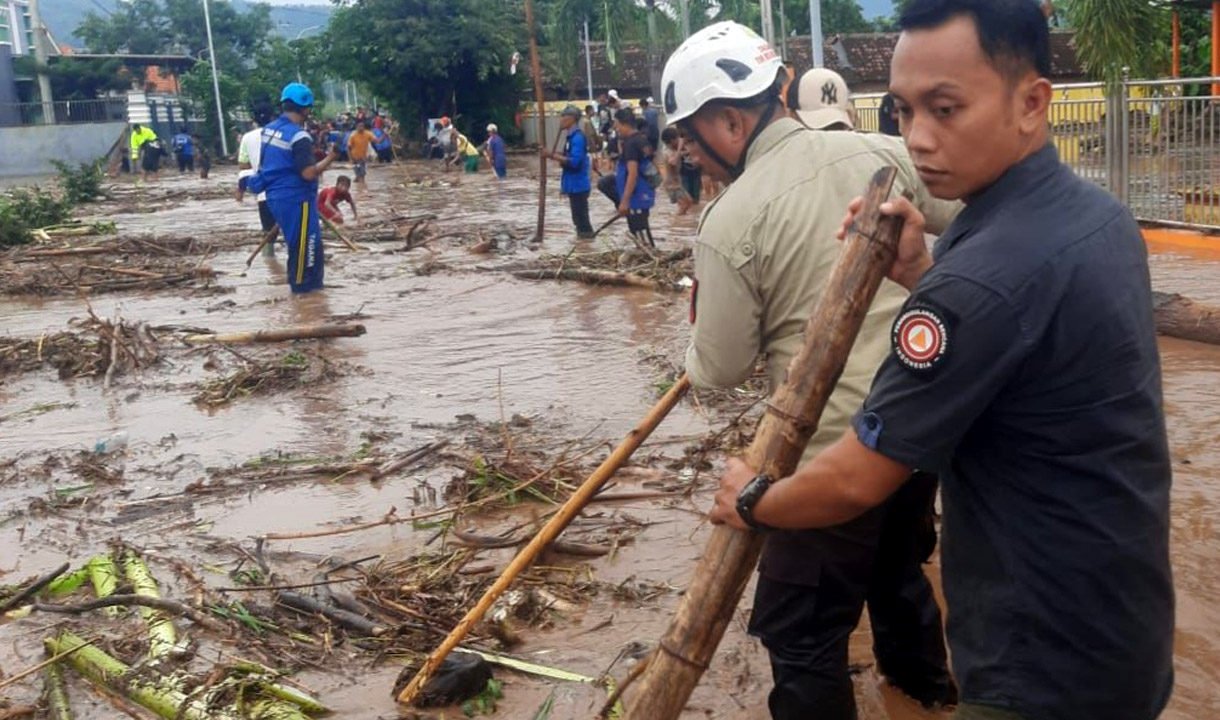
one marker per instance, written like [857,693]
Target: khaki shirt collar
[771,136]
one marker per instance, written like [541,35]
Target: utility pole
[815,32]
[220,114]
[40,56]
[783,32]
[588,63]
[768,24]
[685,6]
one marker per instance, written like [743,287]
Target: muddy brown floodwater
[463,341]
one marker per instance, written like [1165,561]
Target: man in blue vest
[575,163]
[383,145]
[184,151]
[289,176]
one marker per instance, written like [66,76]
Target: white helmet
[492,128]
[724,61]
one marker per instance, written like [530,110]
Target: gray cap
[572,110]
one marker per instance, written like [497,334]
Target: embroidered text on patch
[920,339]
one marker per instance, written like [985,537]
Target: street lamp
[298,37]
[220,115]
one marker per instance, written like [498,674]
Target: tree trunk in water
[654,71]
[261,336]
[540,102]
[792,416]
[1184,318]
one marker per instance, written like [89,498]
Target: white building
[16,27]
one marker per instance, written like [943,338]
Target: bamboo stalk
[261,336]
[54,694]
[143,274]
[104,575]
[162,637]
[549,532]
[146,689]
[540,103]
[725,566]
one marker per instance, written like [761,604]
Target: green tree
[198,95]
[1113,34]
[432,57]
[77,79]
[178,27]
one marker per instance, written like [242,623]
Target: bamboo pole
[54,694]
[549,532]
[540,103]
[262,336]
[346,241]
[162,636]
[708,604]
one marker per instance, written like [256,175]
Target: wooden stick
[590,276]
[67,252]
[269,236]
[125,271]
[549,532]
[726,564]
[49,661]
[408,460]
[605,225]
[335,229]
[33,588]
[540,107]
[170,606]
[347,619]
[263,336]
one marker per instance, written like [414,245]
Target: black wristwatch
[749,497]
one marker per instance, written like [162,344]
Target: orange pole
[1177,47]
[1215,45]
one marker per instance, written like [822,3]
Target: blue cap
[297,94]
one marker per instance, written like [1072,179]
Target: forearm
[838,485]
[911,275]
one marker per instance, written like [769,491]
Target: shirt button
[747,249]
[871,422]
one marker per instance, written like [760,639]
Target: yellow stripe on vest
[301,249]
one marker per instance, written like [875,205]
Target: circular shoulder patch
[920,338]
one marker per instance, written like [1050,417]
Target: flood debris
[268,374]
[97,348]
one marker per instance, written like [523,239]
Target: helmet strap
[735,170]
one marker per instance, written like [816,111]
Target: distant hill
[63,16]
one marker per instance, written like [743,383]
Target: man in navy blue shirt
[1024,369]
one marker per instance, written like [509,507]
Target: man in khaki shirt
[765,251]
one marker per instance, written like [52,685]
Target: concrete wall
[29,150]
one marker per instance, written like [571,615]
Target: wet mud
[459,351]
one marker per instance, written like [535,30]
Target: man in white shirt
[248,155]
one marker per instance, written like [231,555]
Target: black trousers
[186,162]
[579,204]
[637,224]
[608,186]
[806,629]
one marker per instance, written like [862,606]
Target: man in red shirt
[329,199]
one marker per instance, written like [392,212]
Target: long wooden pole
[549,532]
[540,109]
[792,416]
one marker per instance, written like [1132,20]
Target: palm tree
[1113,34]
